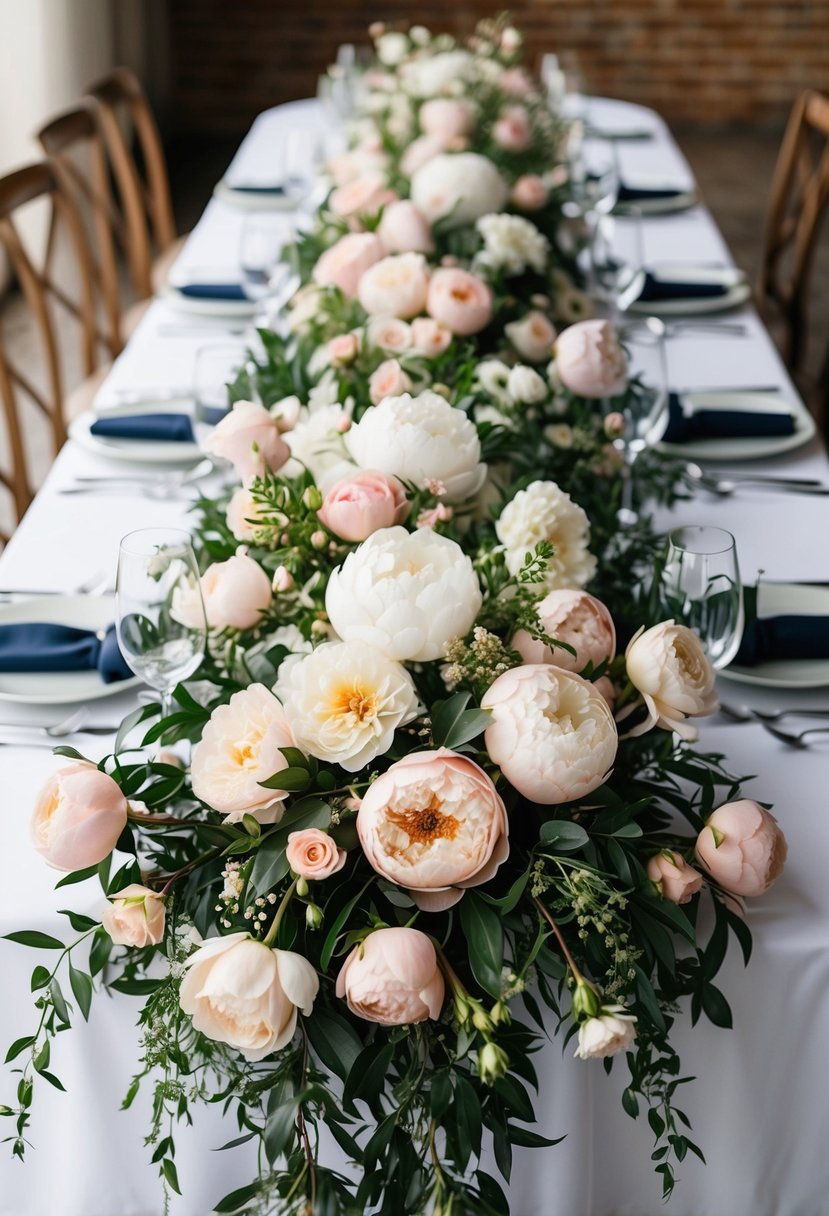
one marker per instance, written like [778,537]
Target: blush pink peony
[460,300]
[590,360]
[344,264]
[742,847]
[361,503]
[392,977]
[576,618]
[251,439]
[79,815]
[405,229]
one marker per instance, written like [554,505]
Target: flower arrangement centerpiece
[443,800]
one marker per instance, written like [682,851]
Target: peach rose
[392,977]
[405,229]
[529,192]
[313,854]
[244,514]
[367,157]
[429,337]
[345,263]
[343,350]
[135,917]
[459,300]
[389,333]
[434,823]
[446,119]
[240,747]
[359,504]
[395,286]
[742,847]
[669,667]
[590,361]
[363,195]
[677,881]
[387,380]
[79,815]
[533,336]
[512,131]
[576,618]
[235,593]
[419,152]
[516,81]
[251,439]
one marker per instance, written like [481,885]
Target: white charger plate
[684,198]
[779,599]
[135,451]
[251,200]
[60,687]
[738,290]
[745,447]
[243,309]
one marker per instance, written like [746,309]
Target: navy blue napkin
[274,188]
[47,647]
[716,423]
[641,194]
[213,291]
[667,289]
[171,428]
[766,639]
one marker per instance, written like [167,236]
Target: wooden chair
[143,185]
[44,295]
[799,193]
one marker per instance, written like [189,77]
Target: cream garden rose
[668,666]
[457,188]
[533,336]
[459,300]
[405,593]
[235,594]
[392,977]
[79,814]
[135,917]
[387,380]
[435,824]
[544,512]
[396,286]
[345,700]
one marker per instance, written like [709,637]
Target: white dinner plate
[60,687]
[684,198]
[251,200]
[745,447]
[738,290]
[780,599]
[234,309]
[136,451]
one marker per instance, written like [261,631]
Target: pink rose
[360,504]
[576,618]
[529,193]
[388,380]
[430,337]
[235,593]
[590,361]
[517,82]
[435,824]
[392,977]
[460,300]
[396,286]
[446,119]
[135,917]
[533,336]
[419,152]
[363,196]
[405,229]
[313,854]
[367,157]
[344,264]
[512,131]
[250,438]
[79,815]
[389,333]
[676,880]
[343,350]
[742,847]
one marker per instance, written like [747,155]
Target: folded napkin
[212,291]
[641,194]
[718,423]
[780,637]
[171,428]
[46,647]
[253,188]
[655,288]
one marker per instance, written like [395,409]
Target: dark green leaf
[279,1130]
[81,924]
[291,779]
[236,1200]
[41,976]
[58,1001]
[562,836]
[467,726]
[334,1041]
[31,937]
[81,985]
[484,935]
[525,1138]
[333,933]
[18,1047]
[445,716]
[77,876]
[271,864]
[367,1079]
[716,1007]
[168,1169]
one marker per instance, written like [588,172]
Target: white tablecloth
[759,1103]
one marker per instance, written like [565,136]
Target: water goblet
[217,366]
[701,588]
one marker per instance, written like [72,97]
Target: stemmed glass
[160,617]
[594,180]
[701,587]
[618,280]
[217,366]
[644,414]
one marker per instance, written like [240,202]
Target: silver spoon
[795,740]
[696,472]
[742,713]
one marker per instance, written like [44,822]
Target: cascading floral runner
[443,739]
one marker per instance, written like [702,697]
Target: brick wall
[700,61]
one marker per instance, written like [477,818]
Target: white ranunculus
[392,48]
[544,512]
[525,386]
[614,1030]
[493,377]
[511,244]
[420,439]
[432,75]
[317,442]
[345,700]
[406,593]
[552,733]
[669,667]
[458,188]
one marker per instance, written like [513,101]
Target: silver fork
[742,713]
[72,725]
[794,740]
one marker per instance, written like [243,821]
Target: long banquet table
[759,1103]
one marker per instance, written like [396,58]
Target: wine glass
[553,81]
[701,588]
[617,268]
[261,243]
[217,365]
[644,411]
[160,616]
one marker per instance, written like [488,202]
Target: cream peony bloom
[418,439]
[533,336]
[545,512]
[405,593]
[392,977]
[240,746]
[344,701]
[434,823]
[396,286]
[612,1031]
[243,993]
[525,386]
[511,244]
[458,188]
[668,666]
[552,733]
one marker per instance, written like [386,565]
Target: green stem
[270,937]
[571,962]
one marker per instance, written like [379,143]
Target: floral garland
[432,813]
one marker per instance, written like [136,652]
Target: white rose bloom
[493,377]
[392,48]
[614,1030]
[669,667]
[525,386]
[459,186]
[317,441]
[545,512]
[511,244]
[431,76]
[344,702]
[418,439]
[406,593]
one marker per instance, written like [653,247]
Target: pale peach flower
[533,336]
[429,337]
[576,618]
[460,300]
[392,977]
[389,333]
[446,119]
[419,152]
[512,131]
[345,263]
[669,667]
[343,350]
[313,854]
[244,514]
[387,380]
[529,192]
[676,880]
[135,917]
[250,438]
[362,502]
[405,229]
[515,80]
[363,195]
[235,594]
[742,847]
[79,814]
[396,286]
[590,361]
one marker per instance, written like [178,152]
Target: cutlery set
[768,719]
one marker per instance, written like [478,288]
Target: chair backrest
[799,193]
[143,185]
[75,140]
[43,295]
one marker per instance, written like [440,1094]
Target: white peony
[317,443]
[406,593]
[420,439]
[525,386]
[431,76]
[544,512]
[511,244]
[493,377]
[345,700]
[392,48]
[668,666]
[458,188]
